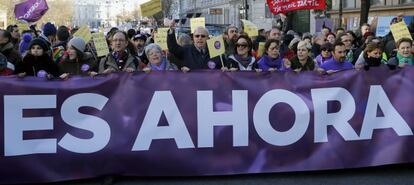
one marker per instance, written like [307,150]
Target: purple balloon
[41,74]
[85,67]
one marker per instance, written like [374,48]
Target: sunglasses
[198,36]
[241,45]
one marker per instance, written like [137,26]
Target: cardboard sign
[250,28]
[151,8]
[216,46]
[400,31]
[261,49]
[161,38]
[100,44]
[84,33]
[197,22]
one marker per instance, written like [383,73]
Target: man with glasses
[195,56]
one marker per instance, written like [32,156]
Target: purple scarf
[272,62]
[159,68]
[244,61]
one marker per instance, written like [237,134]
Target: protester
[60,46]
[404,56]
[157,60]
[77,62]
[275,34]
[183,40]
[243,59]
[120,59]
[49,34]
[331,38]
[302,61]
[271,60]
[14,31]
[371,57]
[139,45]
[7,48]
[326,54]
[37,62]
[195,56]
[231,35]
[338,62]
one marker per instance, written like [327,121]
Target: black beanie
[40,42]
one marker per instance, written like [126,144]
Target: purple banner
[31,10]
[203,123]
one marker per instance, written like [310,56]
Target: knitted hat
[77,43]
[24,44]
[63,33]
[40,42]
[140,36]
[49,29]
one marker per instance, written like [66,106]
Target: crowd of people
[53,52]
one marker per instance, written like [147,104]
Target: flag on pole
[30,10]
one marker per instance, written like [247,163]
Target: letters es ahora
[163,102]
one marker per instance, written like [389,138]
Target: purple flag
[31,10]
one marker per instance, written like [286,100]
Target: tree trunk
[365,5]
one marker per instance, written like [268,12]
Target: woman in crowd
[157,60]
[371,57]
[271,60]
[37,62]
[404,56]
[331,38]
[243,59]
[77,62]
[326,54]
[302,61]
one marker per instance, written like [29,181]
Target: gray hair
[203,29]
[152,46]
[184,39]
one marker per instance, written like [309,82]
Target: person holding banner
[157,60]
[302,61]
[326,54]
[195,56]
[271,60]
[371,57]
[120,59]
[404,56]
[243,59]
[37,62]
[338,63]
[77,62]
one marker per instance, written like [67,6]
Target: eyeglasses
[347,41]
[241,45]
[198,36]
[233,31]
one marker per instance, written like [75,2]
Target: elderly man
[275,34]
[195,56]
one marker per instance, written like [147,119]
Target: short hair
[365,24]
[10,28]
[202,28]
[249,43]
[152,46]
[305,44]
[6,34]
[131,32]
[338,43]
[399,42]
[122,32]
[371,47]
[269,42]
[184,39]
[229,27]
[340,28]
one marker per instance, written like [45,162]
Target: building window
[377,2]
[348,3]
[407,1]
